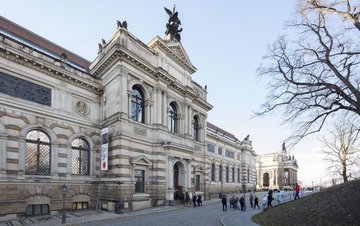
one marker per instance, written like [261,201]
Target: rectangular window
[40,209]
[80,205]
[140,181]
[197,183]
[219,151]
[229,154]
[211,148]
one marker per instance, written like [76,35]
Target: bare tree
[342,149]
[314,71]
[341,8]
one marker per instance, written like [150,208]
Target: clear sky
[225,40]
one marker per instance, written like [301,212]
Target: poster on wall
[104,148]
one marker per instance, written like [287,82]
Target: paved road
[208,215]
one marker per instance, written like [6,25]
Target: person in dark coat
[251,200]
[256,202]
[242,203]
[199,200]
[269,198]
[187,199]
[194,199]
[224,202]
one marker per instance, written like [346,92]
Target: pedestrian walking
[224,202]
[297,191]
[251,200]
[256,202]
[187,199]
[270,198]
[194,199]
[242,203]
[199,200]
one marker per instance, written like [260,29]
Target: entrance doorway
[266,180]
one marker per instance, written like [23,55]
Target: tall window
[213,172]
[220,173]
[238,175]
[233,174]
[80,157]
[37,153]
[173,118]
[248,176]
[137,105]
[140,181]
[196,128]
[227,174]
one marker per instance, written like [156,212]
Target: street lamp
[244,190]
[64,189]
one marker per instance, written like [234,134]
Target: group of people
[196,199]
[239,203]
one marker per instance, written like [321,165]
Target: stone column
[159,106]
[190,122]
[188,176]
[129,95]
[2,152]
[170,178]
[164,111]
[124,94]
[186,121]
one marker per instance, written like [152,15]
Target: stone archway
[178,176]
[266,180]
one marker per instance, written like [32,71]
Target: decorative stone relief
[81,108]
[140,131]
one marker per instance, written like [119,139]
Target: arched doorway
[266,180]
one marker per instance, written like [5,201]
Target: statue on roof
[172,27]
[283,148]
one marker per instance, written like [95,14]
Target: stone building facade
[54,105]
[231,162]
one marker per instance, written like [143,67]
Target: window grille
[37,153]
[80,157]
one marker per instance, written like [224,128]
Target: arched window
[227,174]
[37,153]
[137,105]
[80,157]
[213,172]
[196,128]
[173,118]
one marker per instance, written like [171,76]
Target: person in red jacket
[297,191]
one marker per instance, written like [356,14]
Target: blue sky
[225,41]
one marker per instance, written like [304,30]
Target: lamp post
[244,190]
[63,191]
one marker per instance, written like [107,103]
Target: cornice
[42,66]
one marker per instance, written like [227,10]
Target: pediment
[140,160]
[174,50]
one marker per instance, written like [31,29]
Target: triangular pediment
[174,50]
[140,160]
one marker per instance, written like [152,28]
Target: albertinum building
[126,131]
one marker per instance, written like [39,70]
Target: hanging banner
[104,149]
